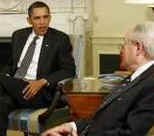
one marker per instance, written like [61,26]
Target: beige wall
[112,17]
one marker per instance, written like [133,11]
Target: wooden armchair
[33,122]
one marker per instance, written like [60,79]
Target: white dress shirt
[141,69]
[32,70]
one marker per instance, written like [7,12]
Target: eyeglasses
[127,42]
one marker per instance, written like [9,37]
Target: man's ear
[29,20]
[140,48]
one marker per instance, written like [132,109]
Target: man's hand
[33,88]
[64,129]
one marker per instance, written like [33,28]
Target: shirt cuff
[73,125]
[47,83]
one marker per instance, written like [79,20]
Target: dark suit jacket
[55,63]
[128,111]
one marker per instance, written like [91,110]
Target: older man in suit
[129,109]
[41,56]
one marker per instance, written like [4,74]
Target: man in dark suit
[129,109]
[35,65]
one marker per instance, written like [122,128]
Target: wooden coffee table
[84,104]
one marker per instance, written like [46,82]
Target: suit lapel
[125,87]
[21,43]
[116,93]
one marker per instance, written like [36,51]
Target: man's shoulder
[149,80]
[151,77]
[55,31]
[22,31]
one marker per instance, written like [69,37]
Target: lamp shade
[139,1]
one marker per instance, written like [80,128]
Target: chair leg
[25,133]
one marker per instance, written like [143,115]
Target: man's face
[128,55]
[40,20]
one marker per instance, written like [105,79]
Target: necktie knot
[34,40]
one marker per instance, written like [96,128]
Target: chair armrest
[65,81]
[58,94]
[45,115]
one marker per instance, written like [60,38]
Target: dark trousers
[11,98]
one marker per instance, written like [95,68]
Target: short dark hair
[37,4]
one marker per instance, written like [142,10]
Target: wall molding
[13,6]
[107,39]
[57,6]
[70,16]
[5,39]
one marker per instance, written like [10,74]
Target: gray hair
[144,35]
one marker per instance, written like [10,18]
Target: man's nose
[42,20]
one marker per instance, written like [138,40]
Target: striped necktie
[22,70]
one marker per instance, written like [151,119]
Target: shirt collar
[141,69]
[33,35]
